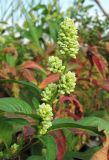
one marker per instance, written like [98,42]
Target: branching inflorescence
[67,47]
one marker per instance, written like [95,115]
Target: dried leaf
[107,46]
[103,152]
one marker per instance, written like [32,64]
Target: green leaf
[50,145]
[93,124]
[35,103]
[85,155]
[32,29]
[10,60]
[62,123]
[18,121]
[69,136]
[6,131]
[34,157]
[38,7]
[15,105]
[11,125]
[99,123]
[24,83]
[52,31]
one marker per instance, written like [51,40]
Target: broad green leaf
[15,105]
[99,123]
[24,83]
[50,145]
[93,124]
[18,121]
[62,123]
[10,125]
[84,155]
[34,157]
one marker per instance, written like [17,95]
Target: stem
[101,8]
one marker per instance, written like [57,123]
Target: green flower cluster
[67,83]
[49,92]
[14,148]
[67,40]
[55,64]
[45,112]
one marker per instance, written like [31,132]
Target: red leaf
[79,65]
[100,65]
[98,61]
[28,74]
[78,107]
[28,131]
[7,69]
[104,84]
[32,65]
[77,104]
[11,50]
[50,79]
[61,144]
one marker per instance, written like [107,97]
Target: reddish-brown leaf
[76,113]
[6,69]
[100,65]
[32,65]
[28,131]
[28,74]
[79,65]
[50,79]
[77,104]
[11,50]
[102,84]
[98,61]
[61,144]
